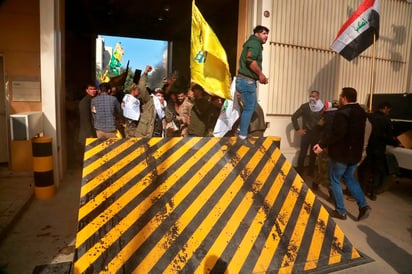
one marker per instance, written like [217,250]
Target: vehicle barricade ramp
[201,205]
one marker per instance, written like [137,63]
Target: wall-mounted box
[26,125]
[26,91]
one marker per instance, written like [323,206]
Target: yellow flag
[208,60]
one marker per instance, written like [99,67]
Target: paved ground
[42,232]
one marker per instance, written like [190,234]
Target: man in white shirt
[131,110]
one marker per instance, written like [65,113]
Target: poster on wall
[26,91]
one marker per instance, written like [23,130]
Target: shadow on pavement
[397,257]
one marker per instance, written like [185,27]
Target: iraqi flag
[356,35]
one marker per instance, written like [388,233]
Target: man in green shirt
[250,71]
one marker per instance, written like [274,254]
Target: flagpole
[373,74]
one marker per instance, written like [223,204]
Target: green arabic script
[361,24]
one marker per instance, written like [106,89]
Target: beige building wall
[20,47]
[20,68]
[31,46]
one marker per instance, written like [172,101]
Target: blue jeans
[338,171]
[247,90]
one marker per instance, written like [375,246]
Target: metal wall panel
[292,85]
[301,60]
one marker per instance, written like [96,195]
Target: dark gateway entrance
[156,19]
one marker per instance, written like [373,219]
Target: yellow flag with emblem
[208,61]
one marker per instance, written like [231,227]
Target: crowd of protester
[333,134]
[167,111]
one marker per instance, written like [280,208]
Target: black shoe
[364,212]
[315,186]
[337,215]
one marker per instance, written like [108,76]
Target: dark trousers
[307,141]
[372,171]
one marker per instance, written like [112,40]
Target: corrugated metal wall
[301,60]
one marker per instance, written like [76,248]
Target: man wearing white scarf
[309,130]
[159,102]
[160,105]
[131,110]
[315,105]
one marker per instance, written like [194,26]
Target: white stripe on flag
[352,32]
[359,22]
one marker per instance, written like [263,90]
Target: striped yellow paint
[300,225]
[122,226]
[93,151]
[233,223]
[355,253]
[99,199]
[317,240]
[264,202]
[272,242]
[107,157]
[135,243]
[335,255]
[152,257]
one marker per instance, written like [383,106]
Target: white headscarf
[160,109]
[315,105]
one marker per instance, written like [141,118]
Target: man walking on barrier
[250,71]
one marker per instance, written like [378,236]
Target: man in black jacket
[375,161]
[345,146]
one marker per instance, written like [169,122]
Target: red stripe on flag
[365,5]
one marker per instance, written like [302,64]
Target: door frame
[4,96]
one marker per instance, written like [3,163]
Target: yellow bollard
[44,187]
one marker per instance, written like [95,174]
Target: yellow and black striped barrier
[44,187]
[200,205]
